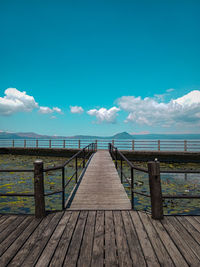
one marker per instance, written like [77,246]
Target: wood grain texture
[101,238]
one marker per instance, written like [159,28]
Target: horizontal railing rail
[39,171]
[134,145]
[154,173]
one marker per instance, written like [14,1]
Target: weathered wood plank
[98,246]
[151,258]
[161,252]
[85,256]
[124,258]
[192,230]
[110,241]
[11,227]
[18,243]
[194,222]
[180,240]
[73,251]
[64,242]
[7,222]
[172,249]
[27,247]
[133,242]
[47,253]
[11,238]
[41,242]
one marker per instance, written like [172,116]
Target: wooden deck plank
[151,258]
[160,250]
[7,222]
[110,241]
[172,249]
[100,188]
[64,242]
[27,247]
[73,251]
[19,242]
[98,245]
[124,258]
[41,242]
[181,241]
[47,253]
[132,238]
[11,238]
[189,227]
[85,256]
[194,222]
[11,227]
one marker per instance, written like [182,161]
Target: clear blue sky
[91,54]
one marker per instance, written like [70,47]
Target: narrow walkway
[100,188]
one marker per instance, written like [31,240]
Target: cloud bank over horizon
[183,111]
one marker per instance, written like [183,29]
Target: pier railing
[39,194]
[134,145]
[154,173]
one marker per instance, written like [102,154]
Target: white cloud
[47,110]
[170,90]
[58,110]
[76,109]
[16,101]
[104,115]
[183,111]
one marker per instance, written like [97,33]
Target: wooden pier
[99,229]
[100,188]
[99,238]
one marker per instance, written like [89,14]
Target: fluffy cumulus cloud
[104,115]
[16,101]
[47,110]
[181,111]
[76,109]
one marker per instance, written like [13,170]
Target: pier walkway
[100,188]
[99,229]
[99,238]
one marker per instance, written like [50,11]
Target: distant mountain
[123,135]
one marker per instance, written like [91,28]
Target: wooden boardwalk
[99,238]
[100,188]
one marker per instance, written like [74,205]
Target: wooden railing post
[132,188]
[155,190]
[116,158]
[185,145]
[113,142]
[49,143]
[79,144]
[158,145]
[24,143]
[121,171]
[39,189]
[36,143]
[133,145]
[96,145]
[84,158]
[13,143]
[76,166]
[63,188]
[63,143]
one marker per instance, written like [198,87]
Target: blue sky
[130,65]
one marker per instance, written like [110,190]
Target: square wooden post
[39,189]
[155,190]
